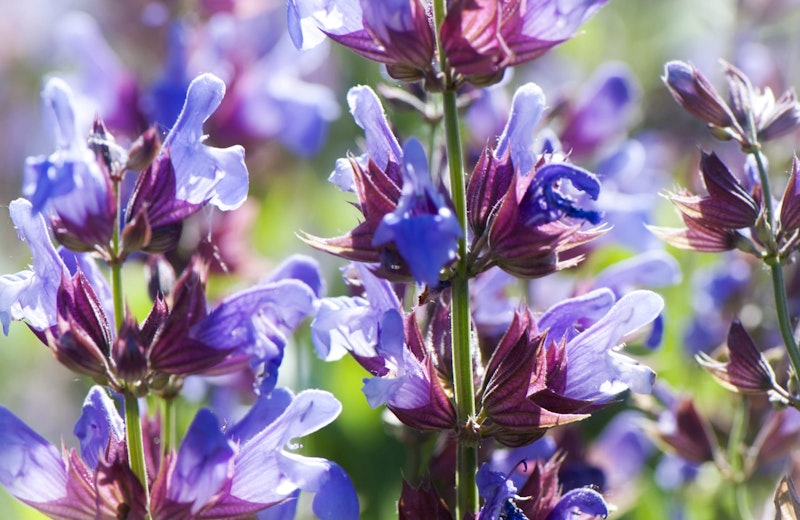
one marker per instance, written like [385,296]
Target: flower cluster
[131,466]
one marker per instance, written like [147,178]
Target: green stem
[133,423]
[168,437]
[775,267]
[463,383]
[133,430]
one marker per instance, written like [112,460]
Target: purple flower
[62,485]
[99,421]
[397,33]
[30,295]
[577,503]
[249,468]
[70,186]
[204,174]
[498,491]
[390,347]
[483,37]
[596,370]
[423,228]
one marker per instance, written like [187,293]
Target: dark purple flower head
[713,221]
[748,105]
[483,37]
[397,33]
[747,370]
[536,220]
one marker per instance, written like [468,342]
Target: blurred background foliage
[291,194]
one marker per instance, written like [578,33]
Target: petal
[31,296]
[203,465]
[31,468]
[579,502]
[517,137]
[302,268]
[204,174]
[382,146]
[257,477]
[98,421]
[263,413]
[594,370]
[561,320]
[335,495]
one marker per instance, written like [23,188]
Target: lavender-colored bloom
[564,321]
[31,469]
[308,19]
[343,324]
[597,371]
[256,323]
[69,184]
[423,228]
[99,421]
[204,174]
[30,295]
[397,33]
[265,472]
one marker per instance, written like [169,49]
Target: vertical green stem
[168,437]
[775,267]
[133,425]
[463,383]
[133,433]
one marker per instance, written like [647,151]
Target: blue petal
[258,476]
[307,17]
[335,498]
[650,269]
[203,465]
[31,468]
[565,319]
[344,324]
[517,137]
[543,202]
[382,146]
[257,321]
[266,409]
[31,295]
[302,268]
[204,174]
[496,489]
[98,421]
[595,371]
[582,501]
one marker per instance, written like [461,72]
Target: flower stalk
[463,382]
[775,267]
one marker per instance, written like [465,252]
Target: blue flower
[596,370]
[204,174]
[423,228]
[69,184]
[99,420]
[249,468]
